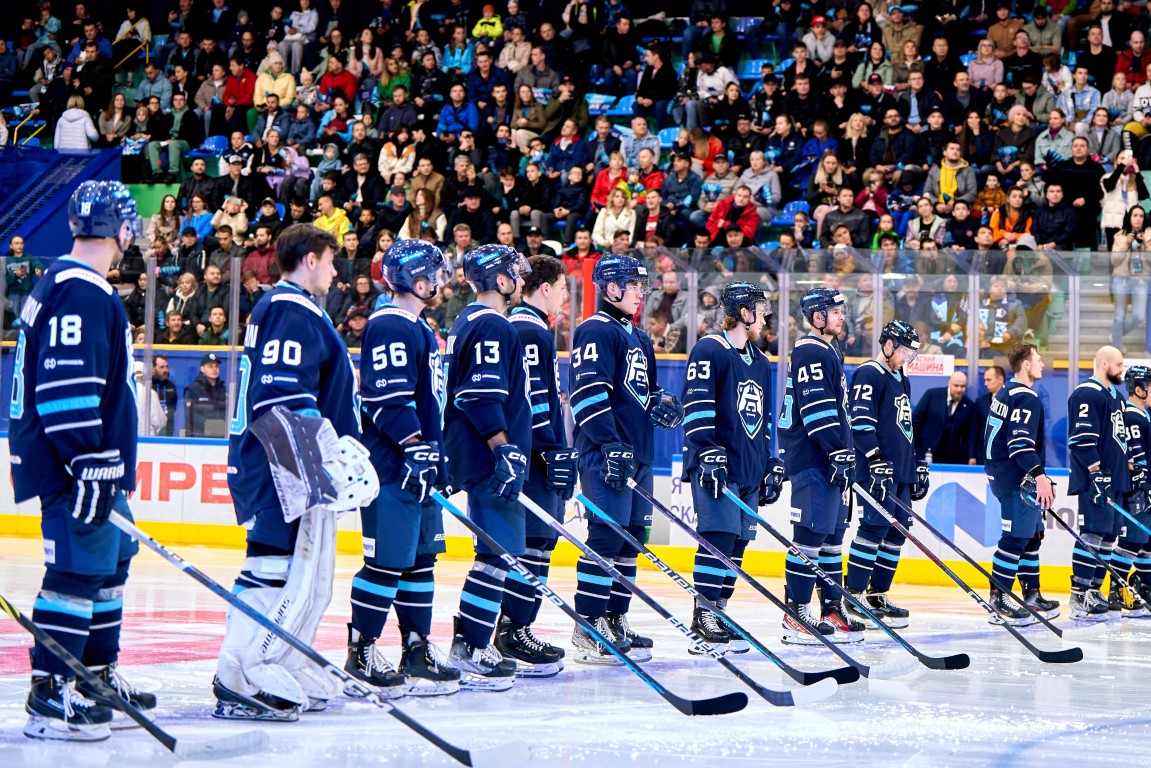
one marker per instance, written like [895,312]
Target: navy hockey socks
[373,591]
[860,563]
[593,588]
[1106,550]
[1123,558]
[737,559]
[831,562]
[620,599]
[886,561]
[66,617]
[1143,564]
[710,575]
[415,594]
[104,633]
[1083,563]
[799,577]
[481,599]
[1006,561]
[521,600]
[1029,565]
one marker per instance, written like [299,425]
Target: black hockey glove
[511,469]
[664,409]
[881,480]
[95,485]
[841,473]
[560,474]
[618,464]
[772,484]
[713,470]
[1100,487]
[1139,478]
[922,481]
[421,468]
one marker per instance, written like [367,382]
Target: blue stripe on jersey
[309,412]
[541,408]
[699,415]
[820,415]
[590,401]
[68,404]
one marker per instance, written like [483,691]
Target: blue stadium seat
[599,103]
[745,25]
[786,217]
[750,69]
[783,64]
[213,146]
[967,58]
[625,107]
[668,136]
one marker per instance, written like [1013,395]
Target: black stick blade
[841,675]
[955,661]
[1062,656]
[720,705]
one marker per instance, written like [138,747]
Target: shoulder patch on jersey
[303,301]
[599,318]
[1090,385]
[87,275]
[718,339]
[388,311]
[1024,389]
[528,317]
[485,313]
[876,365]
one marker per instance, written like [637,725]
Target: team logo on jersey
[903,415]
[436,368]
[636,377]
[1119,430]
[749,404]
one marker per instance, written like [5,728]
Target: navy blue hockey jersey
[294,357]
[881,418]
[401,387]
[1014,436]
[72,387]
[612,375]
[727,403]
[815,420]
[1096,433]
[487,392]
[543,378]
[1138,425]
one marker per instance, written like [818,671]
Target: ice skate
[621,632]
[795,633]
[144,702]
[589,650]
[710,630]
[481,669]
[368,665]
[533,657]
[57,711]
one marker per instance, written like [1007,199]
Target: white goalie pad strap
[354,480]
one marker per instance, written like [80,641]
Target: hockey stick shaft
[1129,516]
[957,661]
[1063,656]
[684,706]
[230,746]
[1116,578]
[991,579]
[461,755]
[797,675]
[777,698]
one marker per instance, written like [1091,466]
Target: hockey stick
[840,675]
[720,705]
[1068,634]
[1129,516]
[819,690]
[216,749]
[1062,656]
[955,661]
[513,753]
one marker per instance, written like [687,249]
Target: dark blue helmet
[406,261]
[104,209]
[901,333]
[819,300]
[484,264]
[620,270]
[736,296]
[1137,376]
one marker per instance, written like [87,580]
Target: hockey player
[817,450]
[1014,436]
[881,426]
[727,442]
[552,465]
[73,444]
[1132,557]
[616,404]
[487,419]
[402,386]
[294,363]
[1097,442]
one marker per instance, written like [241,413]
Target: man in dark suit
[944,423]
[994,377]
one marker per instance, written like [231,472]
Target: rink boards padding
[183,500]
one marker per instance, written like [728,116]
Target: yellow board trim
[682,559]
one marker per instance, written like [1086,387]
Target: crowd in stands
[995,131]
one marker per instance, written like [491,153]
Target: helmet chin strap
[507,296]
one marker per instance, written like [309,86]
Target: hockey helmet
[819,300]
[104,209]
[483,265]
[736,296]
[620,270]
[406,261]
[901,333]
[1137,376]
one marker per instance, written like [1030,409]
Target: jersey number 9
[396,352]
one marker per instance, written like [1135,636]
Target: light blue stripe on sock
[375,589]
[479,602]
[721,572]
[894,558]
[417,586]
[110,605]
[593,579]
[58,606]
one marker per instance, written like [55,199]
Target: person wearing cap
[206,400]
[710,83]
[480,220]
[900,31]
[681,188]
[357,320]
[534,243]
[267,215]
[564,104]
[274,80]
[234,183]
[875,102]
[818,41]
[837,69]
[1046,35]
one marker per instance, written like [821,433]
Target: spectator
[184,299]
[206,401]
[457,295]
[274,80]
[1079,101]
[198,218]
[1029,280]
[1123,189]
[1129,275]
[332,220]
[1102,141]
[893,147]
[75,129]
[177,332]
[652,219]
[232,215]
[845,213]
[1083,175]
[1099,59]
[615,216]
[177,134]
[534,244]
[765,185]
[1014,144]
[1053,223]
[481,223]
[581,252]
[213,293]
[666,336]
[944,423]
[134,303]
[150,417]
[215,333]
[154,84]
[1012,220]
[250,292]
[166,393]
[950,180]
[356,321]
[261,259]
[900,31]
[570,204]
[22,273]
[656,87]
[1046,35]
[1002,320]
[994,377]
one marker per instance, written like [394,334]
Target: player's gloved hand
[1100,487]
[1140,481]
[618,464]
[881,480]
[510,472]
[841,473]
[421,468]
[713,470]
[95,485]
[664,409]
[772,485]
[560,475]
[922,481]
